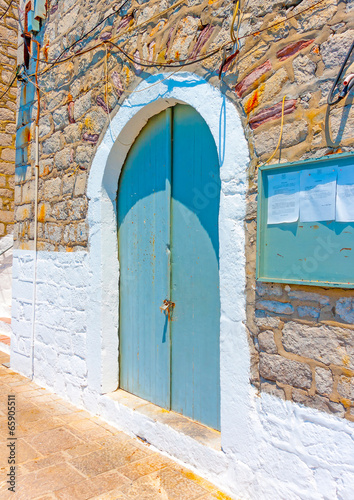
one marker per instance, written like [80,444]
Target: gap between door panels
[201,433]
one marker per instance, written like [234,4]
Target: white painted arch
[226,128]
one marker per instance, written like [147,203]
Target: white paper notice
[345,194]
[318,194]
[283,197]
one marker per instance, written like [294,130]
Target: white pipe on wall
[36,168]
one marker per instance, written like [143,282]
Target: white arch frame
[226,128]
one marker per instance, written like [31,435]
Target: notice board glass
[318,252]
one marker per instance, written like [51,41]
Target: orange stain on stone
[346,360]
[41,214]
[252,102]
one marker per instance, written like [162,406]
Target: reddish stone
[71,112]
[292,49]
[91,138]
[252,77]
[272,113]
[124,22]
[101,102]
[106,36]
[117,82]
[203,37]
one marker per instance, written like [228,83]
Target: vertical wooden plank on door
[143,206]
[195,384]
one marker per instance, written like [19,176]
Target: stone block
[326,344]
[53,232]
[346,388]
[45,126]
[309,297]
[345,309]
[7,115]
[342,124]
[10,128]
[253,78]
[5,139]
[293,133]
[275,306]
[80,184]
[285,371]
[72,133]
[90,138]
[6,216]
[6,168]
[68,184]
[78,208]
[293,48]
[304,70]
[62,159]
[268,289]
[267,91]
[266,342]
[8,154]
[319,402]
[264,321]
[273,389]
[83,155]
[60,117]
[52,188]
[45,166]
[22,212]
[28,192]
[334,50]
[310,312]
[52,144]
[82,105]
[324,381]
[6,193]
[272,113]
[60,210]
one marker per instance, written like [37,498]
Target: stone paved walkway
[63,452]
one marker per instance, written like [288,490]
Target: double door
[168,206]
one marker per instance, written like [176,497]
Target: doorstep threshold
[201,433]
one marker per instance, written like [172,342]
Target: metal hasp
[319,253]
[168,208]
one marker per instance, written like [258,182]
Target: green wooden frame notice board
[316,252]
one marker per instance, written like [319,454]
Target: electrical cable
[330,100]
[9,86]
[232,32]
[7,8]
[132,59]
[88,33]
[186,62]
[58,60]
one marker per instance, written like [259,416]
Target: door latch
[167,305]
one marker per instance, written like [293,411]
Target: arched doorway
[168,245]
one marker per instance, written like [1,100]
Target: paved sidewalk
[63,452]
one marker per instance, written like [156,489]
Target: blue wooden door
[143,246]
[168,206]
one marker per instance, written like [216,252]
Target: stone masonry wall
[8,62]
[301,338]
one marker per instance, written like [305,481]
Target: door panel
[195,269]
[143,240]
[168,249]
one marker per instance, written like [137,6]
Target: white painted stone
[5,276]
